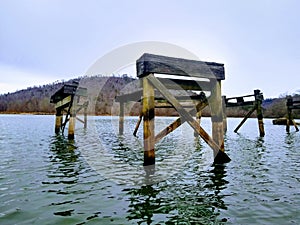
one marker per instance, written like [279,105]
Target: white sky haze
[48,40]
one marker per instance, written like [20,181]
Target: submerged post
[58,120]
[289,104]
[71,129]
[258,101]
[85,115]
[148,116]
[224,113]
[217,117]
[121,118]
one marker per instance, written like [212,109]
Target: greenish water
[99,177]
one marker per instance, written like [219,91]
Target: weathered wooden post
[148,115]
[121,118]
[217,115]
[224,113]
[85,115]
[198,119]
[289,104]
[58,120]
[71,129]
[258,101]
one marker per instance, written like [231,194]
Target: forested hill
[102,92]
[37,99]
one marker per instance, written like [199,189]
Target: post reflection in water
[175,201]
[63,172]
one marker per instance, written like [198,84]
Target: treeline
[101,95]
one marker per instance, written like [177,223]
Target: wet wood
[148,122]
[121,118]
[149,64]
[58,120]
[244,119]
[224,113]
[138,124]
[71,129]
[186,116]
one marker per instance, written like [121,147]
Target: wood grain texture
[149,63]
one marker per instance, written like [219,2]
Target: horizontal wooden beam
[237,104]
[179,84]
[64,102]
[149,63]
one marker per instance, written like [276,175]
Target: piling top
[66,90]
[149,63]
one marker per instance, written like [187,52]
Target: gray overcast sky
[48,40]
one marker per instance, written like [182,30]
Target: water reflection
[189,198]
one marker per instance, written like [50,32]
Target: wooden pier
[256,103]
[69,100]
[189,75]
[291,104]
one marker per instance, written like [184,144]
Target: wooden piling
[71,129]
[258,101]
[85,116]
[217,115]
[148,122]
[58,120]
[224,113]
[121,118]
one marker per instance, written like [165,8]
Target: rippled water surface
[99,178]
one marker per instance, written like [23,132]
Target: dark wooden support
[244,119]
[258,101]
[148,125]
[85,115]
[138,124]
[257,106]
[291,104]
[224,113]
[188,118]
[198,119]
[121,118]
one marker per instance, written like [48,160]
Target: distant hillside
[102,92]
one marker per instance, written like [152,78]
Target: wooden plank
[179,84]
[149,63]
[64,102]
[238,104]
[187,117]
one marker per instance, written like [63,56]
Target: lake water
[99,177]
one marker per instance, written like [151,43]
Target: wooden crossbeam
[177,123]
[186,115]
[64,102]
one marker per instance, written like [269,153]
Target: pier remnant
[240,101]
[291,104]
[69,100]
[160,75]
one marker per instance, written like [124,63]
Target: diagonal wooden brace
[173,126]
[186,115]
